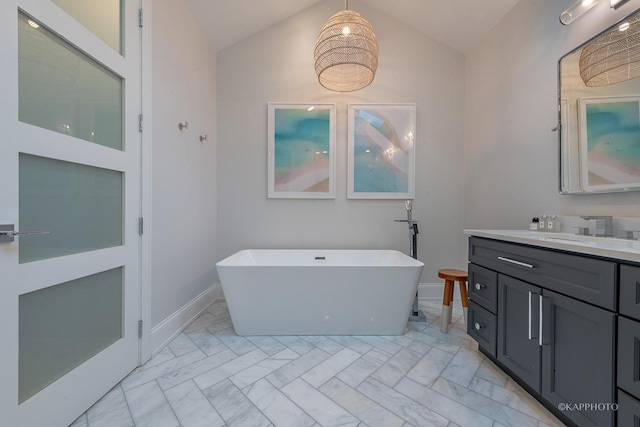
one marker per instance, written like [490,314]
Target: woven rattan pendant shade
[346,53]
[612,57]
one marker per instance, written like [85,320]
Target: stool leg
[445,319]
[451,292]
[464,299]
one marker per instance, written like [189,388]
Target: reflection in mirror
[599,106]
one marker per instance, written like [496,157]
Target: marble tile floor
[208,376]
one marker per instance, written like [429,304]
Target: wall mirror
[599,112]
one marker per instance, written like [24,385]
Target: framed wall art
[381,151]
[609,136]
[301,150]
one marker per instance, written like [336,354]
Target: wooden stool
[450,276]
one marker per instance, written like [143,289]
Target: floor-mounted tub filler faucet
[416,315]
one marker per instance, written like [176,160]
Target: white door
[69,165]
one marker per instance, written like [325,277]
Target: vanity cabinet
[629,347]
[556,324]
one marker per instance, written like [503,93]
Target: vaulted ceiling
[459,24]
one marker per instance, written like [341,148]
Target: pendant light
[346,52]
[614,56]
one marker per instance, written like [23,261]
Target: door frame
[146,173]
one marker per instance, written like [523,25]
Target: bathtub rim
[231,260]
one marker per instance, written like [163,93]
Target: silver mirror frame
[563,164]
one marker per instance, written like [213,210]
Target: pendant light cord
[346,4]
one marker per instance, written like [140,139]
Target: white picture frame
[301,143]
[381,151]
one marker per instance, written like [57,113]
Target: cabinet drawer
[628,410]
[629,356]
[588,279]
[483,287]
[630,291]
[481,326]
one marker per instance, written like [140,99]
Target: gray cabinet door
[577,357]
[518,321]
[629,356]
[630,291]
[628,411]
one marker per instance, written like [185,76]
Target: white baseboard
[168,329]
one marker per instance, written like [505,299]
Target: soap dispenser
[542,225]
[533,225]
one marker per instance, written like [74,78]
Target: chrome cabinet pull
[477,326]
[540,323]
[513,261]
[529,330]
[479,286]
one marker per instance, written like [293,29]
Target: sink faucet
[604,225]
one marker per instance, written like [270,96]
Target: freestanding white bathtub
[319,292]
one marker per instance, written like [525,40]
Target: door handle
[8,233]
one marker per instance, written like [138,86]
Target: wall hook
[204,137]
[184,125]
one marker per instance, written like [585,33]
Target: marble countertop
[619,249]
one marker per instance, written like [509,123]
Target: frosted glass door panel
[64,325]
[81,207]
[101,17]
[64,90]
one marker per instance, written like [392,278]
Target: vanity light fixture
[612,57]
[576,10]
[617,3]
[346,52]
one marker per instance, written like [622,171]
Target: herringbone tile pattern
[208,377]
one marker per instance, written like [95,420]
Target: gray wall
[183,199]
[511,156]
[276,65]
[486,157]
